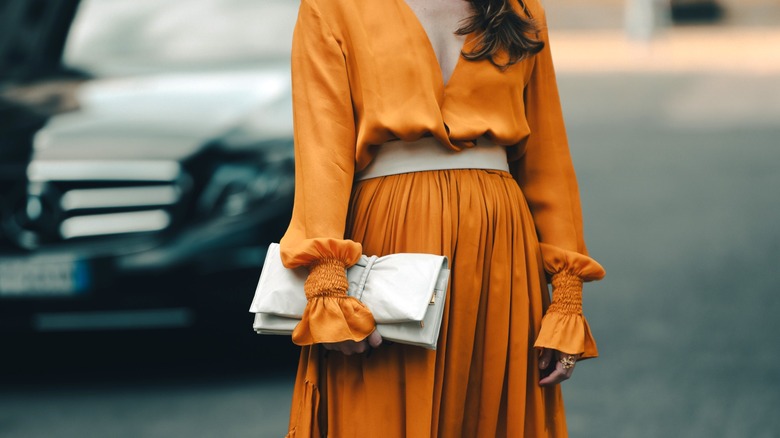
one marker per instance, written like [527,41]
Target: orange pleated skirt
[483,379]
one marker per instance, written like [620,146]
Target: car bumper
[145,283]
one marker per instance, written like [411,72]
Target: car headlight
[236,188]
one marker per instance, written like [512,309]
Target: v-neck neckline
[432,51]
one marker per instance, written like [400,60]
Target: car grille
[69,200]
[5,195]
[11,184]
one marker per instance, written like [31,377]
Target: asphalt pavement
[679,178]
[677,156]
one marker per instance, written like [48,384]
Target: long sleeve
[546,175]
[324,133]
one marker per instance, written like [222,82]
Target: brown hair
[499,28]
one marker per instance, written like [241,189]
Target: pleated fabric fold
[483,379]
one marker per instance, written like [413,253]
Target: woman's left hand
[374,340]
[564,366]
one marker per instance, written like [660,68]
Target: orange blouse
[365,73]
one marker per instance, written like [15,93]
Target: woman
[434,126]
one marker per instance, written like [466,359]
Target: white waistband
[427,153]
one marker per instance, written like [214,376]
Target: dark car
[696,11]
[145,159]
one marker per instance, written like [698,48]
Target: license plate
[43,278]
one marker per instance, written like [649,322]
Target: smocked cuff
[564,328]
[331,315]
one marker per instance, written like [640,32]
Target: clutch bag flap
[396,287]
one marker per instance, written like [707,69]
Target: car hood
[169,116]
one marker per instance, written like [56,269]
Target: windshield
[122,37]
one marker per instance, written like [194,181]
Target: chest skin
[441,19]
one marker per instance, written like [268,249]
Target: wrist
[327,277]
[567,294]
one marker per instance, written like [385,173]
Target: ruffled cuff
[564,328]
[557,259]
[307,252]
[331,315]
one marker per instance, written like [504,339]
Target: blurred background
[146,162]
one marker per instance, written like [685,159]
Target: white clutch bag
[405,292]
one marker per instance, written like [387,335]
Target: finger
[334,346]
[561,373]
[556,377]
[567,361]
[350,347]
[544,360]
[344,348]
[374,339]
[360,347]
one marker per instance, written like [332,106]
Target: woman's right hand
[349,348]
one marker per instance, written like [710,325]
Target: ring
[568,362]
